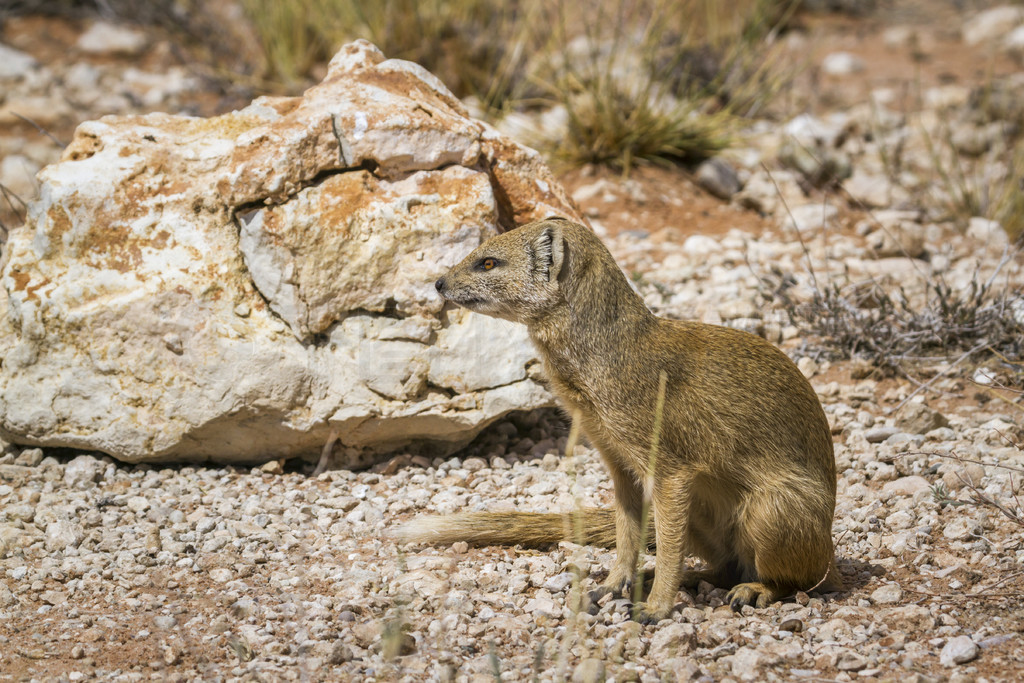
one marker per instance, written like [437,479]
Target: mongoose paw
[598,593]
[646,614]
[753,594]
[620,588]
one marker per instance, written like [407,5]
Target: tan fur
[744,475]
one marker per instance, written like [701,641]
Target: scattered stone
[873,190]
[812,131]
[17,174]
[810,217]
[842,64]
[83,472]
[880,434]
[221,575]
[984,376]
[961,529]
[917,418]
[673,640]
[906,486]
[819,165]
[808,366]
[747,663]
[888,594]
[698,246]
[112,39]
[54,597]
[792,625]
[851,661]
[30,457]
[63,534]
[958,650]
[14,64]
[589,671]
[1014,42]
[717,176]
[164,622]
[272,467]
[988,232]
[907,617]
[905,239]
[992,24]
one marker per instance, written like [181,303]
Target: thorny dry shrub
[890,328]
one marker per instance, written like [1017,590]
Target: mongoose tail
[587,526]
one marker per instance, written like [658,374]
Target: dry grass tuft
[652,80]
[475,46]
[658,80]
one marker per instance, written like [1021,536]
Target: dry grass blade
[652,463]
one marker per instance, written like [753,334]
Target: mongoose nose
[439,285]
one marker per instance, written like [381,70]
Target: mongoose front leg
[671,504]
[628,532]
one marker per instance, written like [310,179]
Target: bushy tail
[588,526]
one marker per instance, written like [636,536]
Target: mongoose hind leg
[784,544]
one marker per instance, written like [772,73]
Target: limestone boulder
[237,288]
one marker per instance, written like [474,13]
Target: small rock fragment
[880,434]
[906,486]
[589,670]
[30,457]
[107,38]
[958,650]
[673,640]
[851,661]
[961,529]
[718,177]
[792,625]
[917,418]
[842,64]
[887,594]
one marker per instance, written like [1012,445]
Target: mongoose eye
[488,263]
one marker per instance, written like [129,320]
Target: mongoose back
[744,472]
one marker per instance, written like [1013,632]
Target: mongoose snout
[714,429]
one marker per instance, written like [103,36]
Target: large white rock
[237,288]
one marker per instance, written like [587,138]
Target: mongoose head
[514,275]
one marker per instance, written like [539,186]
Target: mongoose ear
[548,253]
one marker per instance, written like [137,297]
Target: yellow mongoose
[744,474]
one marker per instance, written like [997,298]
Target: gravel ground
[126,573]
[115,572]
